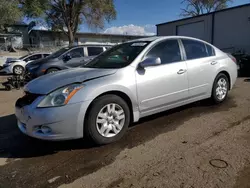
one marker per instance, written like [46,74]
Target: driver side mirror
[67,57]
[150,61]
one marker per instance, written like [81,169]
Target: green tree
[198,7]
[9,13]
[68,15]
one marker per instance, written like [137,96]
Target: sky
[139,17]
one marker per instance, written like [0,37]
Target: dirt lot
[199,145]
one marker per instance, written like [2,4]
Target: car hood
[47,83]
[41,61]
[9,59]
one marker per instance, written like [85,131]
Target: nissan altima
[130,81]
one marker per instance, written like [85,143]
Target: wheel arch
[121,94]
[54,67]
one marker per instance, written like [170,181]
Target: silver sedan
[129,81]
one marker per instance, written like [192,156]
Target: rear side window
[46,55]
[195,49]
[92,51]
[168,51]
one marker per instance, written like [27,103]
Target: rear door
[202,67]
[77,56]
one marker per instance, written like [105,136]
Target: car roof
[159,38]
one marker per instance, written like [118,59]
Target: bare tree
[198,7]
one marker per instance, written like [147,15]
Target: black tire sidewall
[90,126]
[16,67]
[214,97]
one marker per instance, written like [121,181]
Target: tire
[18,70]
[51,70]
[219,94]
[7,87]
[93,129]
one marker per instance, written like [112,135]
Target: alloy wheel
[18,70]
[110,120]
[221,89]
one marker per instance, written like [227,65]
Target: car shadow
[14,144]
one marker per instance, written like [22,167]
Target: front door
[163,85]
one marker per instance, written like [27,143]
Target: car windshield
[24,56]
[118,56]
[58,53]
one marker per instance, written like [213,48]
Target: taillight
[233,58]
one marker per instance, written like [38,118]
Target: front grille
[27,99]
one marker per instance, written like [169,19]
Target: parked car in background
[17,66]
[130,81]
[243,61]
[65,58]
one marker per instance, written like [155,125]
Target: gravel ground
[195,146]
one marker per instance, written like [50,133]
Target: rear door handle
[214,62]
[181,71]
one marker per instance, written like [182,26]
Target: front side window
[195,49]
[119,56]
[92,51]
[77,52]
[168,51]
[33,57]
[58,53]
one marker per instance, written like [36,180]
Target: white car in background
[17,66]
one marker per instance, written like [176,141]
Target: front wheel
[107,120]
[220,88]
[18,70]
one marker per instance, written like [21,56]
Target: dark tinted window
[33,57]
[168,51]
[92,51]
[194,49]
[77,52]
[46,55]
[210,50]
[58,53]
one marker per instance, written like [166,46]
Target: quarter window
[210,50]
[196,49]
[92,51]
[168,51]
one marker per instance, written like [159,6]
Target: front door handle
[214,62]
[181,71]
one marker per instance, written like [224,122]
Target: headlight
[60,97]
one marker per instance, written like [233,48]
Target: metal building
[228,29]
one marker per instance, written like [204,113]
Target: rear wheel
[107,120]
[220,88]
[18,70]
[52,70]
